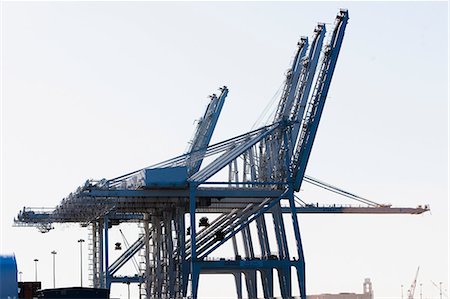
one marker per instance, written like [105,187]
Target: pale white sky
[97,89]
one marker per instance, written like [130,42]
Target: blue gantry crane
[266,167]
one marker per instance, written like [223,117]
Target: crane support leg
[105,247]
[237,275]
[300,267]
[99,248]
[298,239]
[280,231]
[238,282]
[267,282]
[262,236]
[250,280]
[147,275]
[195,271]
[181,230]
[286,291]
[195,275]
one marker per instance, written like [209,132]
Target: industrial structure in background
[412,288]
[249,180]
[366,294]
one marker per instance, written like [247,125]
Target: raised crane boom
[315,106]
[290,85]
[306,80]
[205,129]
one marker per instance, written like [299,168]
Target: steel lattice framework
[265,166]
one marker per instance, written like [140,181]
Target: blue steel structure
[8,277]
[265,166]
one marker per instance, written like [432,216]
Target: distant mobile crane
[412,288]
[266,167]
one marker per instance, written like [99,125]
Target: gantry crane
[266,167]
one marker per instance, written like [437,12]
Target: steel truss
[265,168]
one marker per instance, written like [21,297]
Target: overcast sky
[97,89]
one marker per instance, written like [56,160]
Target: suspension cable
[339,191]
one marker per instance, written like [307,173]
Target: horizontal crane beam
[31,217]
[184,193]
[356,210]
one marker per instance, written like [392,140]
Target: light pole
[54,254]
[81,261]
[35,269]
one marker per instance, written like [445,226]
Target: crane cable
[339,191]
[270,108]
